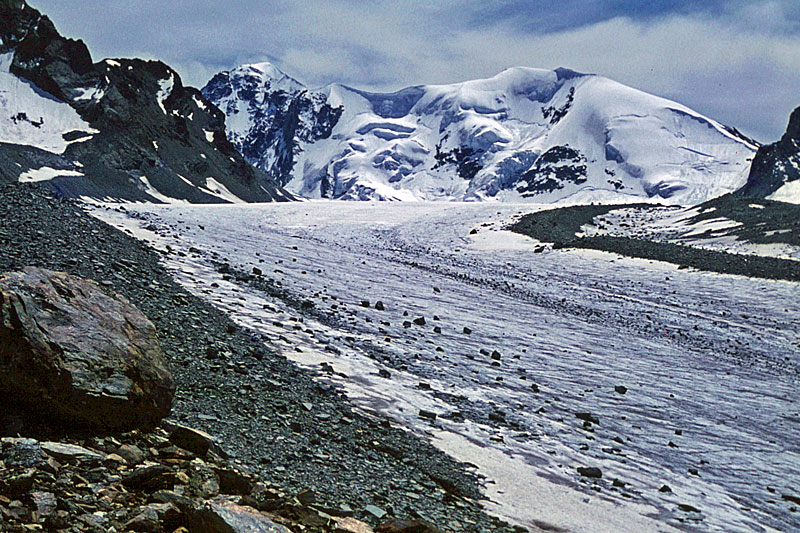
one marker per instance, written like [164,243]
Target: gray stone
[131,454]
[151,517]
[22,452]
[588,417]
[590,471]
[232,481]
[375,511]
[149,477]
[204,481]
[44,504]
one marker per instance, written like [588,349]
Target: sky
[735,61]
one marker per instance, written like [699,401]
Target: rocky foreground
[151,481]
[311,461]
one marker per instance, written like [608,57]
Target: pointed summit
[268,73]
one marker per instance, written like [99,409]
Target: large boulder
[73,353]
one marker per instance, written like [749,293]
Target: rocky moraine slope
[321,458]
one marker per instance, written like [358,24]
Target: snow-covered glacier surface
[533,388]
[523,135]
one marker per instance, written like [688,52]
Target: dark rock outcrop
[552,170]
[775,164]
[73,352]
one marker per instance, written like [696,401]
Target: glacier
[710,361]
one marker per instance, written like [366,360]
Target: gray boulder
[73,353]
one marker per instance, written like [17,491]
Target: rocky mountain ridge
[121,128]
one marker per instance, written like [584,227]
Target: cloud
[734,60]
[743,78]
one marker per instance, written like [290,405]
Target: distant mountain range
[128,129]
[523,135]
[119,129]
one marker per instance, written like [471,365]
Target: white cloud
[739,64]
[716,67]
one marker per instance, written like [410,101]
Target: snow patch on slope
[158,195]
[789,192]
[29,116]
[165,89]
[46,174]
[215,188]
[84,94]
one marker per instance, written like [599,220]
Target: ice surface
[711,362]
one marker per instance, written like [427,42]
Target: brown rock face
[74,353]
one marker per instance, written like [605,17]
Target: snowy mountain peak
[265,75]
[525,134]
[266,68]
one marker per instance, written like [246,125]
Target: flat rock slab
[221,516]
[71,352]
[196,441]
[70,452]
